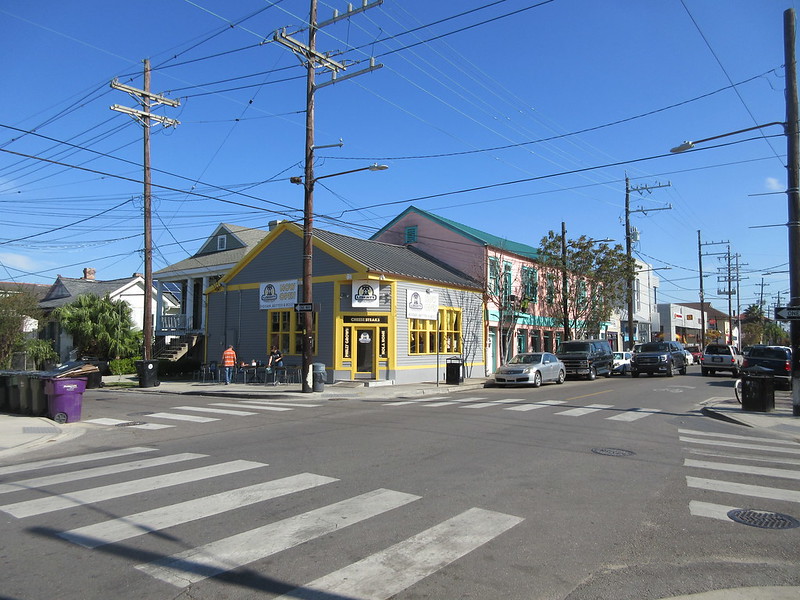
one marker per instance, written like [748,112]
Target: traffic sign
[787,313]
[304,307]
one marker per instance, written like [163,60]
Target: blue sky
[540,108]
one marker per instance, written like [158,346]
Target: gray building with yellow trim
[381,311]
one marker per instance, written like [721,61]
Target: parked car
[622,363]
[697,353]
[659,357]
[776,358]
[721,357]
[587,358]
[689,357]
[532,368]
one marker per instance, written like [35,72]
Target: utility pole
[700,255]
[146,100]
[793,196]
[314,60]
[629,243]
[564,282]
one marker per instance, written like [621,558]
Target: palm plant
[100,327]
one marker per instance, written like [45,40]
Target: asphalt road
[613,489]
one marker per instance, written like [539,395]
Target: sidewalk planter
[758,389]
[147,370]
[64,399]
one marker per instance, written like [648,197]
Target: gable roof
[208,258]
[66,289]
[38,290]
[476,235]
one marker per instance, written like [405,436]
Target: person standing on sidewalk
[228,362]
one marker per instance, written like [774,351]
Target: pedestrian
[228,362]
[275,357]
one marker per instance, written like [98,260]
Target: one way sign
[787,313]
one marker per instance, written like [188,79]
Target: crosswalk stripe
[491,403]
[535,405]
[151,426]
[118,490]
[414,401]
[634,414]
[579,412]
[770,459]
[732,436]
[217,411]
[740,446]
[748,469]
[713,511]
[179,417]
[274,403]
[196,564]
[252,406]
[438,404]
[39,482]
[105,421]
[73,460]
[387,573]
[117,530]
[744,489]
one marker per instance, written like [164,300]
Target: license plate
[716,359]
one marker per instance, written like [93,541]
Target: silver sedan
[532,368]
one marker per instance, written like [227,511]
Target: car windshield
[776,353]
[574,347]
[526,359]
[655,347]
[617,354]
[713,349]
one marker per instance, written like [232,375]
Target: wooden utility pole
[146,100]
[700,255]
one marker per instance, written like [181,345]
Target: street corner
[22,433]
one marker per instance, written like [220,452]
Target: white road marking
[741,446]
[732,436]
[117,530]
[491,403]
[105,421]
[178,417]
[535,405]
[414,401]
[590,408]
[150,426]
[73,460]
[749,469]
[217,411]
[713,511]
[274,403]
[196,564]
[755,491]
[389,572]
[634,414]
[734,456]
[128,488]
[252,406]
[97,472]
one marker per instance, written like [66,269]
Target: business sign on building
[422,305]
[365,294]
[277,294]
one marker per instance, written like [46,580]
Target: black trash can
[5,390]
[147,370]
[37,404]
[319,376]
[758,389]
[452,373]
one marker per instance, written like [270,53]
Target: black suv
[776,358]
[659,357]
[587,358]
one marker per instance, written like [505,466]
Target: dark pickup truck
[776,358]
[659,357]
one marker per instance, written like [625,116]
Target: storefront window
[286,331]
[422,334]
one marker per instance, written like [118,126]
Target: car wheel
[735,373]
[682,370]
[608,373]
[537,379]
[634,374]
[561,377]
[624,370]
[592,374]
[670,371]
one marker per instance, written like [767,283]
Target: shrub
[122,366]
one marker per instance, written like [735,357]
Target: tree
[753,325]
[596,281]
[100,327]
[18,312]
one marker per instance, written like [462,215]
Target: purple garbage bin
[64,399]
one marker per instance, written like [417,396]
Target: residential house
[182,331]
[381,312]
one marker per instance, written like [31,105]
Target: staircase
[178,348]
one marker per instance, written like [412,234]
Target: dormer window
[410,235]
[222,242]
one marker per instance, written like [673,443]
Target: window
[582,295]
[530,284]
[286,331]
[494,276]
[551,288]
[410,234]
[506,282]
[422,334]
[222,242]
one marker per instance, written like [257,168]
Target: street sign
[787,313]
[304,307]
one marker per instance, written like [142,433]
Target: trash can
[19,393]
[452,373]
[147,370]
[319,376]
[37,400]
[4,391]
[758,389]
[64,399]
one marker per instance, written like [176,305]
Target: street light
[690,145]
[308,249]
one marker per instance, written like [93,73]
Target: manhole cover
[130,424]
[613,452]
[763,519]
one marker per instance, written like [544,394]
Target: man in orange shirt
[228,362]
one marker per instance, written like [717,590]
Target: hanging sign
[277,294]
[365,293]
[422,305]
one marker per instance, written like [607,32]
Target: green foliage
[597,280]
[122,366]
[100,327]
[15,310]
[41,351]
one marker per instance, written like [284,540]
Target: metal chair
[210,371]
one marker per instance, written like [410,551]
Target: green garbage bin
[37,400]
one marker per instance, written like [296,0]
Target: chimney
[274,224]
[88,274]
